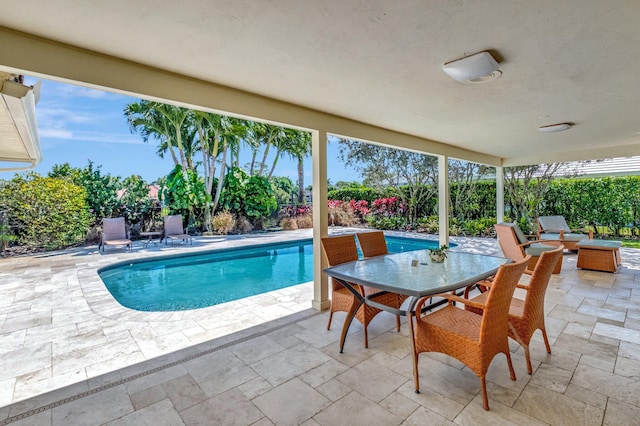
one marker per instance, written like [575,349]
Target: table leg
[411,312]
[352,312]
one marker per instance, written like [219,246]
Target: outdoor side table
[599,255]
[150,237]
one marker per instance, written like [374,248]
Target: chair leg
[546,340]
[528,358]
[512,372]
[483,386]
[330,318]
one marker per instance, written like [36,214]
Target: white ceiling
[380,62]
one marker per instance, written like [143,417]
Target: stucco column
[443,199]
[499,195]
[320,218]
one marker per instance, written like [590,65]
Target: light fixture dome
[558,127]
[477,68]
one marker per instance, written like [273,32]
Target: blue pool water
[194,281]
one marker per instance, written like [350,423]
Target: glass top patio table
[412,274]
[395,273]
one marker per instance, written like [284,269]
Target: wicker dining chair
[472,339]
[372,243]
[342,249]
[526,316]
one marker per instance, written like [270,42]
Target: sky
[77,124]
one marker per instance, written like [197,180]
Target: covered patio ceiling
[372,63]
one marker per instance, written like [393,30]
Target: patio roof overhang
[374,65]
[19,141]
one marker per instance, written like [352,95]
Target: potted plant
[438,255]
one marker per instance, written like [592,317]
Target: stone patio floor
[70,354]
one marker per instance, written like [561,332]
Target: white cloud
[117,138]
[47,116]
[55,133]
[83,136]
[70,91]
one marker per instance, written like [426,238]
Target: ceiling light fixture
[559,127]
[477,68]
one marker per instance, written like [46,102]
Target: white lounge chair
[554,230]
[174,230]
[114,233]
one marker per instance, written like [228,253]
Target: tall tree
[295,144]
[464,175]
[412,176]
[526,187]
[166,124]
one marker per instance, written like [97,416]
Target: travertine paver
[289,370]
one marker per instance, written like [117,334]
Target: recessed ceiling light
[559,127]
[476,68]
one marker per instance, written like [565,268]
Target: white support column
[499,195]
[320,218]
[443,199]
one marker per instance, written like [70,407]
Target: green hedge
[612,203]
[47,213]
[347,194]
[609,205]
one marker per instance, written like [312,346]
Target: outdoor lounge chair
[472,339]
[174,230]
[114,233]
[526,316]
[515,246]
[554,230]
[342,249]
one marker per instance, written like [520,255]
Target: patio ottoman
[599,255]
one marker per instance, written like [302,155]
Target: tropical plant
[259,200]
[184,192]
[249,196]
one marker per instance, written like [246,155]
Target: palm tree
[143,118]
[164,123]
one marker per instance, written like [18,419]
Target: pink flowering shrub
[387,213]
[361,208]
[388,207]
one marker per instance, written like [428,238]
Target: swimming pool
[199,280]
